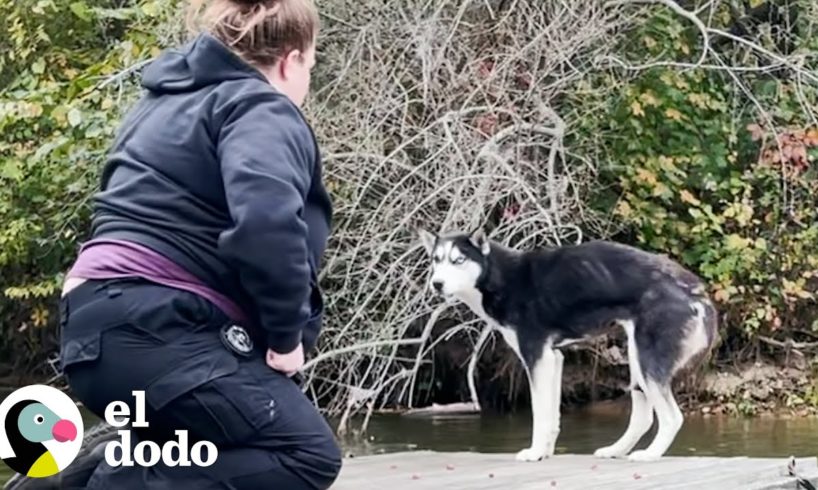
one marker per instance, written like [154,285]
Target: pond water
[582,432]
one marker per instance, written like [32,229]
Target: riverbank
[760,389]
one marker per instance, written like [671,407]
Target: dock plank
[422,470]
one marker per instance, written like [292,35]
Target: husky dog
[542,300]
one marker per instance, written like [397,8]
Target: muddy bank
[760,388]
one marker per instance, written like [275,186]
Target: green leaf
[119,14]
[38,67]
[11,170]
[81,10]
[735,242]
[150,9]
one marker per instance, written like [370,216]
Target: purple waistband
[108,259]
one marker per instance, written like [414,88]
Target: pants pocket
[211,396]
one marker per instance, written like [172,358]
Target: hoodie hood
[201,62]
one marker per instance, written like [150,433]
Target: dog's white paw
[643,455]
[530,454]
[608,452]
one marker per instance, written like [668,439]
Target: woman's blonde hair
[259,31]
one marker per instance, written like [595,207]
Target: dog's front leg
[541,385]
[556,398]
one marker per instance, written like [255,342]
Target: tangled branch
[448,115]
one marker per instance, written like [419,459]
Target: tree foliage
[64,73]
[711,159]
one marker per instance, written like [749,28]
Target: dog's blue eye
[459,260]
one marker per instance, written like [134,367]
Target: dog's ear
[478,239]
[428,239]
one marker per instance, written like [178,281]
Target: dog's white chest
[475,301]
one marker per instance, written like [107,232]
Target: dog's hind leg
[541,381]
[670,421]
[640,422]
[641,409]
[674,334]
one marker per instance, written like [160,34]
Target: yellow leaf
[660,189]
[624,209]
[721,295]
[35,110]
[735,242]
[39,317]
[646,176]
[673,114]
[699,100]
[689,198]
[745,214]
[59,114]
[150,9]
[636,108]
[666,162]
[649,99]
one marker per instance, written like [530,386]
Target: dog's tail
[709,318]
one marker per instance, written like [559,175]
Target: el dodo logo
[41,431]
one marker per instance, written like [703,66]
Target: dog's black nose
[437,285]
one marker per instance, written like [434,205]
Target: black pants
[120,336]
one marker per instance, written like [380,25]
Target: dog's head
[457,261]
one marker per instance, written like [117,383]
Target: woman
[199,285]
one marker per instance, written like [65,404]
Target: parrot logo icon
[42,431]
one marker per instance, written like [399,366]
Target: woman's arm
[267,153]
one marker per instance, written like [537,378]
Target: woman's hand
[288,363]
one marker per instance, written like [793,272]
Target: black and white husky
[544,299]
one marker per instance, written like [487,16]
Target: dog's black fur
[543,299]
[572,292]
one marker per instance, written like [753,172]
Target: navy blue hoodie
[221,173]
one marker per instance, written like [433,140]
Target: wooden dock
[421,470]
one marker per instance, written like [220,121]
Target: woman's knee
[317,456]
[331,456]
[319,464]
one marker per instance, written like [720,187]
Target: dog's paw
[643,455]
[530,454]
[608,452]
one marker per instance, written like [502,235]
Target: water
[582,432]
[585,431]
